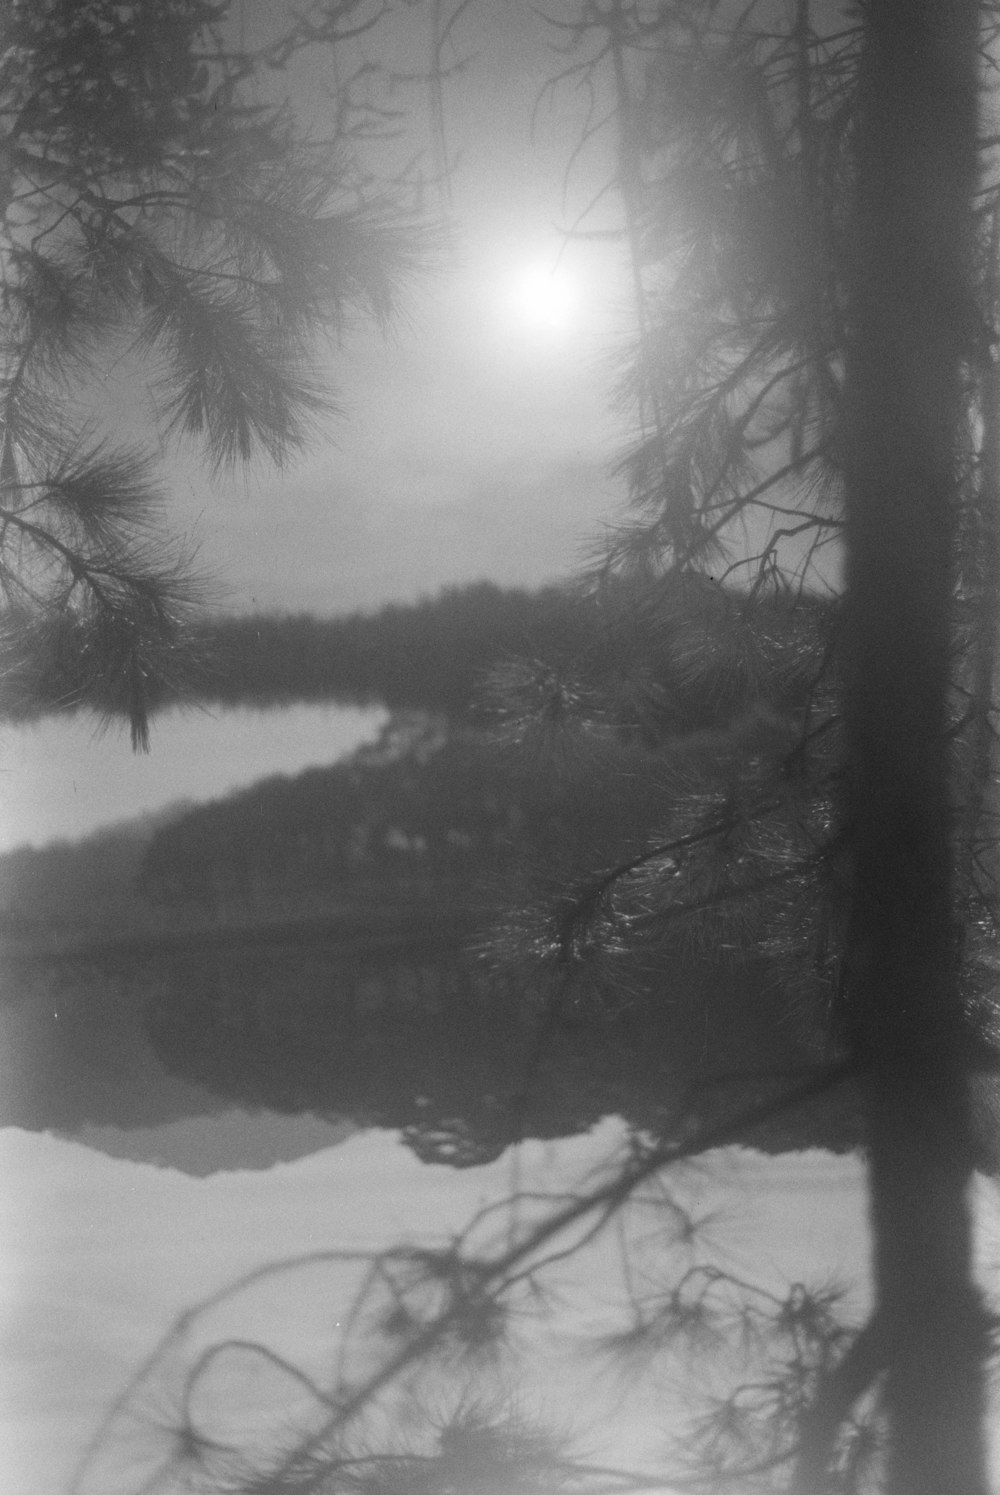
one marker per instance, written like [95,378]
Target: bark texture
[912,323]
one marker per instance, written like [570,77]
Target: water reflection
[340,1260]
[226,1140]
[206,1053]
[75,1058]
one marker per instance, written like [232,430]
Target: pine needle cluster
[717,701]
[154,204]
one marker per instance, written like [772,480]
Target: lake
[178,1118]
[172,1126]
[308,1029]
[62,777]
[172,1118]
[102,1254]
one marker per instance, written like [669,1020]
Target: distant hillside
[412,821]
[645,649]
[420,815]
[71,886]
[428,655]
[425,656]
[437,809]
[434,813]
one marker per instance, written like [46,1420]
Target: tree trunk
[912,320]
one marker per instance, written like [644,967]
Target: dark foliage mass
[657,767]
[72,882]
[431,1042]
[429,812]
[393,821]
[596,756]
[638,653]
[428,655]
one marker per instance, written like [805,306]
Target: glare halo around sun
[543,298]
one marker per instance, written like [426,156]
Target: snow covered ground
[99,1255]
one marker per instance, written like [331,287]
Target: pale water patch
[101,1255]
[63,777]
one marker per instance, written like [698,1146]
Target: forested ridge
[460,797]
[428,654]
[471,795]
[441,653]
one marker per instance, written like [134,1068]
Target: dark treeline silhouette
[427,654]
[396,819]
[432,655]
[76,886]
[463,787]
[430,812]
[475,809]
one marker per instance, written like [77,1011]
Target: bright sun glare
[544,299]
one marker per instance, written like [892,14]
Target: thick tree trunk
[911,318]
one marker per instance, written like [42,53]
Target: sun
[543,298]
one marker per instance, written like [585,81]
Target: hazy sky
[476,441]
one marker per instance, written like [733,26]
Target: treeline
[70,889]
[535,779]
[429,655]
[565,730]
[655,652]
[671,656]
[430,811]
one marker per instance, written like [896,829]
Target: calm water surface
[289,1098]
[63,777]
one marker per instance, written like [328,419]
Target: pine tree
[815,355]
[811,231]
[767,176]
[153,200]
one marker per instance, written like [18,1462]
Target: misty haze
[499,605]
